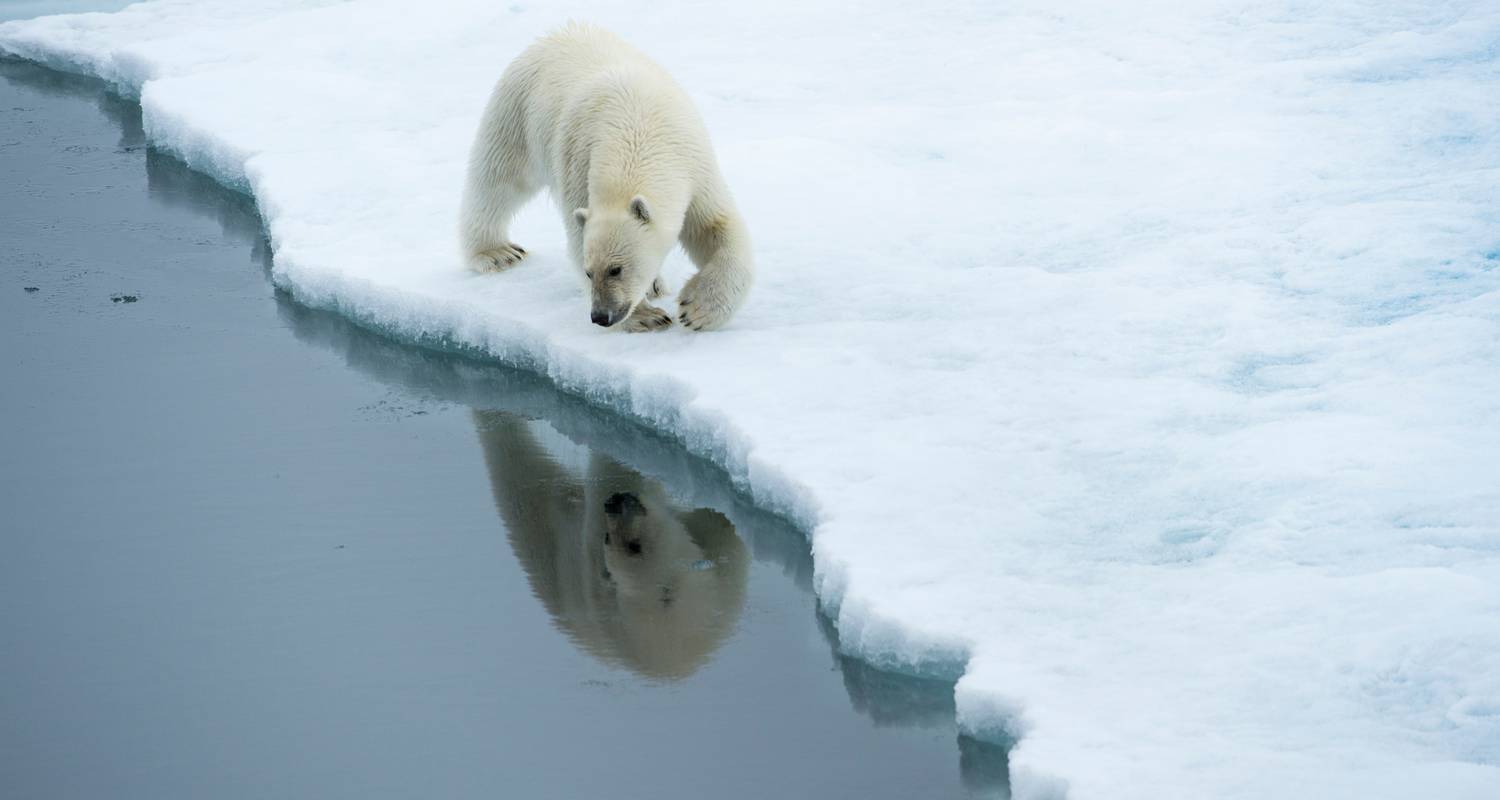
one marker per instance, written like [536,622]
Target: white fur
[629,163]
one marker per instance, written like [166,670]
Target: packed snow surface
[1139,362]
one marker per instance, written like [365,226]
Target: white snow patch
[1141,359]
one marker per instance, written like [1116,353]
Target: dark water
[242,563]
[23,9]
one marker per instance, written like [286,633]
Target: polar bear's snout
[623,503]
[606,316]
[622,523]
[609,306]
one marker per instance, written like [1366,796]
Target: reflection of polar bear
[630,578]
[626,157]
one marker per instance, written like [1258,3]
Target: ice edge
[703,432]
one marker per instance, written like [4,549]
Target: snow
[1138,363]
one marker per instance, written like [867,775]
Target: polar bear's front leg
[497,185]
[720,246]
[484,218]
[646,317]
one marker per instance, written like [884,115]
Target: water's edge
[947,663]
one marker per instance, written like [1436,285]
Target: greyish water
[250,550]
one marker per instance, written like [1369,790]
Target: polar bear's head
[675,580]
[622,253]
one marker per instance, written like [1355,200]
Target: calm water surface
[253,551]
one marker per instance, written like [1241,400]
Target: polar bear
[629,576]
[626,157]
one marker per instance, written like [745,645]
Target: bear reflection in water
[626,574]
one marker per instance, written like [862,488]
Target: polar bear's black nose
[602,318]
[622,502]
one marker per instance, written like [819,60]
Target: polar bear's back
[580,49]
[579,61]
[581,74]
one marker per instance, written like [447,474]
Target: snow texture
[1138,363]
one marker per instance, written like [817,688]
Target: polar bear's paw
[707,302]
[645,318]
[497,259]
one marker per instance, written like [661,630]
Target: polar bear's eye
[588,273]
[614,272]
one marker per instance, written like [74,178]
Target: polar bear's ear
[639,208]
[581,215]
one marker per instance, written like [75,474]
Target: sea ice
[1139,363]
